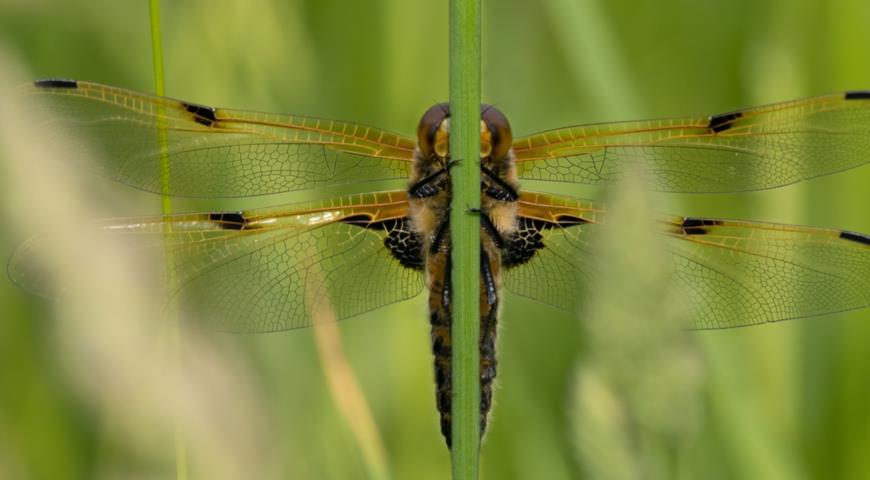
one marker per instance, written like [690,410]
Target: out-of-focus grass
[107,337]
[343,384]
[637,400]
[778,401]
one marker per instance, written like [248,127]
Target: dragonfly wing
[743,273]
[550,259]
[215,152]
[270,269]
[730,273]
[751,149]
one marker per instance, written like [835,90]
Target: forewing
[269,269]
[214,152]
[751,149]
[730,273]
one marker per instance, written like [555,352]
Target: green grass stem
[465,232]
[181,466]
[160,89]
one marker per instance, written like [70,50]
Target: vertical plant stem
[181,467]
[465,233]
[160,89]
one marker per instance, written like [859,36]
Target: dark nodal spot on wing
[696,226]
[858,95]
[856,237]
[700,222]
[56,83]
[720,123]
[229,220]
[201,114]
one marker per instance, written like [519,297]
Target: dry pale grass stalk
[343,384]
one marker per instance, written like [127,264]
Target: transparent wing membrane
[744,273]
[557,274]
[269,269]
[730,273]
[215,152]
[751,149]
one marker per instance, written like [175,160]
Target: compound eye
[431,133]
[500,136]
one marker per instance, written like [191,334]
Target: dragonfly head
[433,132]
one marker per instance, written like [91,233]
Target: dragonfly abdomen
[441,320]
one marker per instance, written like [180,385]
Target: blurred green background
[785,401]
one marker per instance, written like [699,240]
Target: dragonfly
[269,269]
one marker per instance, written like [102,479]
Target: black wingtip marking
[858,95]
[720,123]
[201,114]
[855,237]
[56,83]
[697,226]
[229,220]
